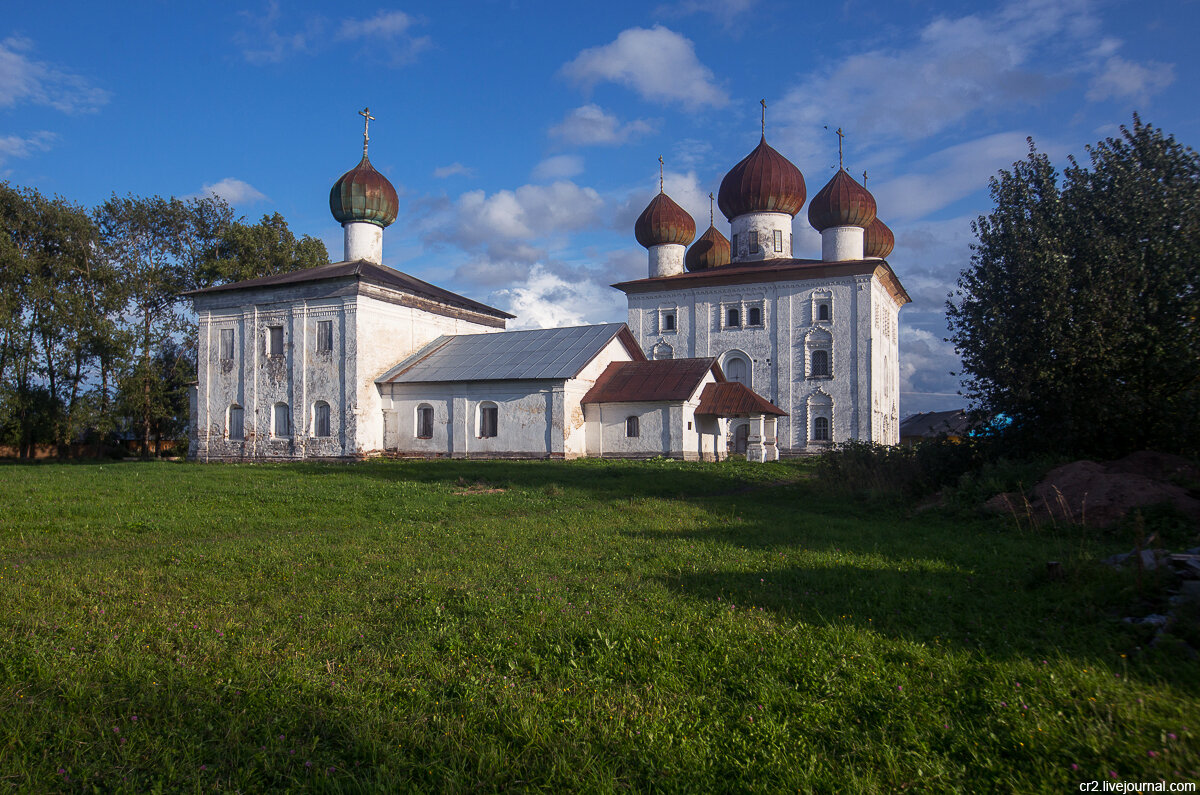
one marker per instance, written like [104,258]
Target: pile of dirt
[1099,495]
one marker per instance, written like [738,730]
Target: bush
[914,470]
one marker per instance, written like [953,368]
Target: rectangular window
[753,241]
[779,240]
[733,318]
[754,316]
[237,423]
[321,419]
[226,343]
[425,422]
[668,323]
[324,336]
[275,341]
[487,422]
[632,428]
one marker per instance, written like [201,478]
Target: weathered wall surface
[779,350]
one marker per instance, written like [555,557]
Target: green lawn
[599,626]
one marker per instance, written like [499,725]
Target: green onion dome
[363,194]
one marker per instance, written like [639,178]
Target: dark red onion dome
[363,194]
[710,251]
[878,241]
[664,221]
[764,182]
[842,202]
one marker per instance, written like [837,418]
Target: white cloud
[590,125]
[23,79]
[956,69]
[17,146]
[547,300]
[385,24]
[454,169]
[926,364]
[271,39]
[946,176]
[558,167]
[234,191]
[1124,80]
[730,13]
[659,64]
[529,212]
[686,191]
[390,27]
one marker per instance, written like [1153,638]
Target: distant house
[953,424]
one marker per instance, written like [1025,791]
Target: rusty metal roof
[363,194]
[364,271]
[763,182]
[547,353]
[664,221]
[878,240]
[710,251]
[842,202]
[772,270]
[731,399]
[663,379]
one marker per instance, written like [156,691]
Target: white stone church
[728,348]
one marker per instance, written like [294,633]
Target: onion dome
[710,251]
[363,194]
[663,221]
[764,182]
[842,202]
[878,241]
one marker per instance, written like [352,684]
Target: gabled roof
[731,398]
[549,353]
[365,271]
[662,379]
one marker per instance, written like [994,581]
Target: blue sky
[523,137]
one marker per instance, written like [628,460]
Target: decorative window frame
[818,340]
[663,314]
[747,306]
[659,348]
[822,298]
[819,406]
[729,356]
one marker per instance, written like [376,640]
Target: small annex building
[557,393]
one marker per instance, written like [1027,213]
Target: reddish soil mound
[1085,492]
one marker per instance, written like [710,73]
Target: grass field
[599,626]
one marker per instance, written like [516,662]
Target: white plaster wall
[575,441]
[666,260]
[842,243]
[780,371]
[363,241]
[385,334]
[765,224]
[525,417]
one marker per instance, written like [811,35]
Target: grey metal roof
[509,355]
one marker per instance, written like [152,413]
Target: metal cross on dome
[710,209]
[763,102]
[367,119]
[660,174]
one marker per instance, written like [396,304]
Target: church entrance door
[741,438]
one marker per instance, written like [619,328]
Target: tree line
[97,342]
[1079,315]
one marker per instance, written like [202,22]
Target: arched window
[631,427]
[283,420]
[321,418]
[736,369]
[820,363]
[754,316]
[488,420]
[820,429]
[424,421]
[662,351]
[236,425]
[823,312]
